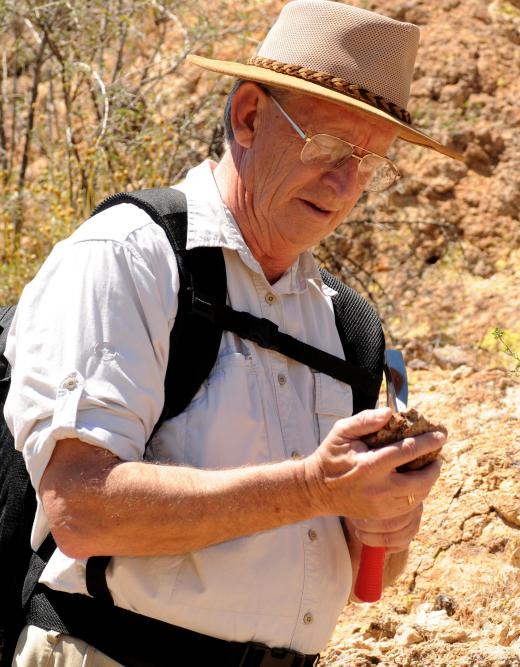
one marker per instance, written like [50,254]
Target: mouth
[316,208]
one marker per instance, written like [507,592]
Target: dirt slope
[458,601]
[441,259]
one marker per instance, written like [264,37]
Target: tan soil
[441,259]
[458,601]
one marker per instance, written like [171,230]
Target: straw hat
[342,54]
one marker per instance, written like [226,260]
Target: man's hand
[395,533]
[396,541]
[345,477]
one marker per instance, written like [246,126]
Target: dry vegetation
[95,99]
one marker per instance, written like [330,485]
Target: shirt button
[282,379]
[308,618]
[270,298]
[312,535]
[70,383]
[295,455]
[53,637]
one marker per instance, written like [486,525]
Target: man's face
[298,204]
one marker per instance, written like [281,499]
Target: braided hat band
[339,53]
[334,83]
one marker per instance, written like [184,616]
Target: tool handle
[369,583]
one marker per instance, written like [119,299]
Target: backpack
[202,317]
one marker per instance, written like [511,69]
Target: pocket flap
[333,397]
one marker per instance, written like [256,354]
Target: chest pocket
[333,401]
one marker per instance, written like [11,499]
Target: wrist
[313,483]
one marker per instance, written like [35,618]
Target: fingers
[362,423]
[409,449]
[345,477]
[398,494]
[417,483]
[395,534]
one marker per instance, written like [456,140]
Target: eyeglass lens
[374,172]
[326,151]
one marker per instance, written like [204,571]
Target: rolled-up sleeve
[89,344]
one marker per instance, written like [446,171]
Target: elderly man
[231,540]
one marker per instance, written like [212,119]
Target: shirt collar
[211,224]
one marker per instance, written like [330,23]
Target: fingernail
[381,411]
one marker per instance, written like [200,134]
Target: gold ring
[411,499]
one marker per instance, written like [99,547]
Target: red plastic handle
[369,583]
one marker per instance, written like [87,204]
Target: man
[233,533]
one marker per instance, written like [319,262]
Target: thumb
[363,423]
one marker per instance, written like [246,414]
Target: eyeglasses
[375,173]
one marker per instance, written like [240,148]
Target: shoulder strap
[193,340]
[17,507]
[203,315]
[266,334]
[362,337]
[6,317]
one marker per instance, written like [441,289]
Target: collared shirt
[89,348]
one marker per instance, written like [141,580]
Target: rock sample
[405,425]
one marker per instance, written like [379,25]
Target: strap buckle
[260,655]
[260,330]
[202,305]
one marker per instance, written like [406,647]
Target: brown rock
[405,425]
[455,93]
[450,356]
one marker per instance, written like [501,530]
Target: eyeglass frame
[305,137]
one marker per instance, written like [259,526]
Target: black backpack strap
[37,563]
[203,315]
[17,507]
[201,270]
[267,334]
[6,317]
[362,338]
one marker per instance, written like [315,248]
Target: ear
[244,108]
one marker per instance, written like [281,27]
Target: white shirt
[89,348]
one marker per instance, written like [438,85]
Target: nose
[342,180]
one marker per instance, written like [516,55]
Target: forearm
[97,504]
[143,509]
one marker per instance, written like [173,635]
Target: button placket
[312,583]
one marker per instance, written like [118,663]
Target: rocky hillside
[441,259]
[458,603]
[439,256]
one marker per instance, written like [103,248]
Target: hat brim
[270,78]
